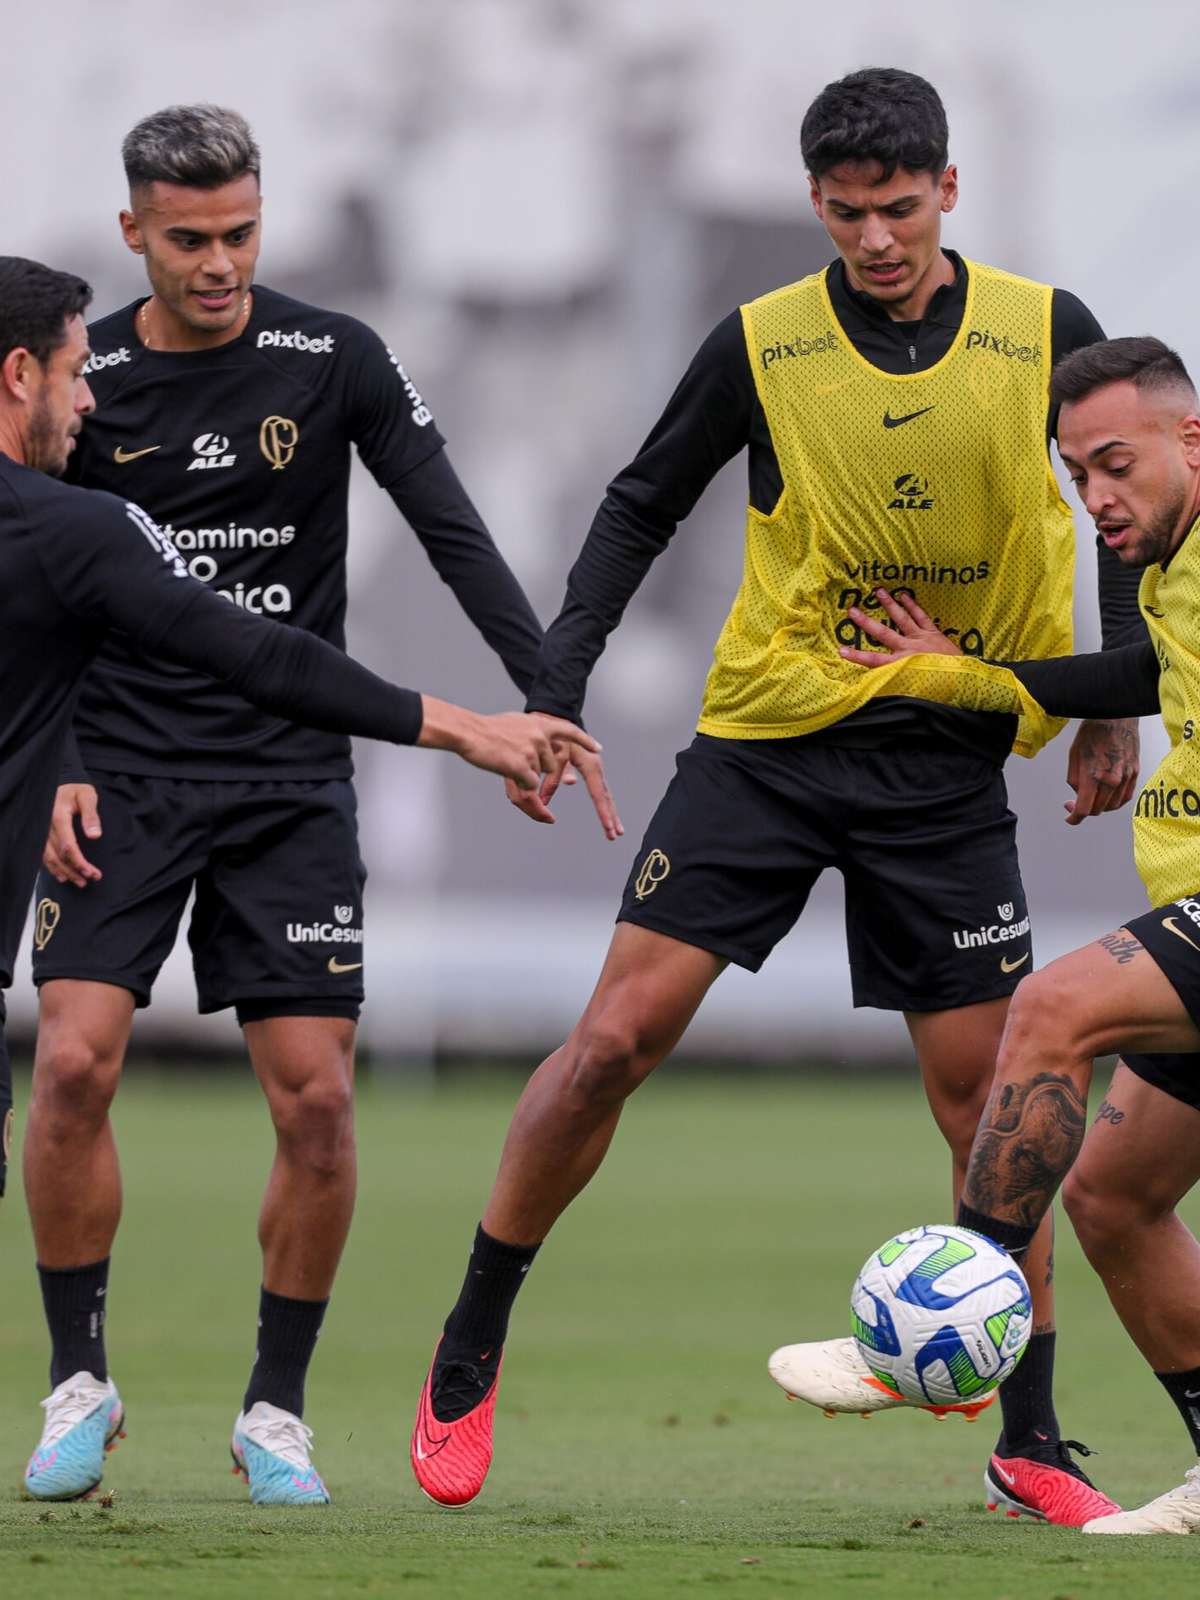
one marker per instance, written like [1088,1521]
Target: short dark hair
[36,303]
[1144,361]
[879,114]
[201,147]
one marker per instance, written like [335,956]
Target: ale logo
[45,920]
[277,439]
[910,492]
[654,869]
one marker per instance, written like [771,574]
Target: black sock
[287,1336]
[495,1272]
[1014,1237]
[1184,1389]
[1027,1398]
[74,1298]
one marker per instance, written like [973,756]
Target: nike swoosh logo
[337,966]
[1191,1394]
[897,422]
[1151,612]
[1011,966]
[121,455]
[1009,1478]
[1169,924]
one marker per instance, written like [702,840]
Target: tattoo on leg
[1050,1268]
[1109,1113]
[1029,1135]
[1120,949]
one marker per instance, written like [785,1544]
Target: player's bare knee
[605,1062]
[74,1081]
[1047,1024]
[314,1122]
[1105,1221]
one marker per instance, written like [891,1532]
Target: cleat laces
[70,1404]
[285,1436]
[458,1387]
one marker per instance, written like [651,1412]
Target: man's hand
[515,744]
[913,634]
[63,859]
[1102,768]
[536,804]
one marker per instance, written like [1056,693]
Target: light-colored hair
[201,147]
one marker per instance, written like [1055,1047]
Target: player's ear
[131,232]
[1189,438]
[15,373]
[948,189]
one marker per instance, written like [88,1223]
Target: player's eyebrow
[180,230]
[1110,445]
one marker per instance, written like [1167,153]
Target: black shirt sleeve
[452,534]
[706,422]
[392,428]
[1072,326]
[111,566]
[1121,682]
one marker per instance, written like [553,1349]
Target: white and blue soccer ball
[941,1315]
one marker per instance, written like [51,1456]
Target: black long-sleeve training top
[75,564]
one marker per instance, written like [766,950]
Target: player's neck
[160,329]
[12,444]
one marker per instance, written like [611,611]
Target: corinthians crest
[45,920]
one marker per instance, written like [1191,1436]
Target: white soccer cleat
[84,1419]
[270,1451]
[1177,1511]
[832,1375]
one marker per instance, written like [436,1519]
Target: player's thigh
[120,929]
[648,991]
[279,909]
[936,918]
[1141,1154]
[732,852]
[1127,991]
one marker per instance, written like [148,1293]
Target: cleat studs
[1014,1514]
[865,1415]
[826,1412]
[993,1505]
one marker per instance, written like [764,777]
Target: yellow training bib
[1166,818]
[937,483]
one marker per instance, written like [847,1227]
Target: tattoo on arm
[1112,753]
[1029,1135]
[1120,948]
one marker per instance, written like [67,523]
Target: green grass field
[641,1448]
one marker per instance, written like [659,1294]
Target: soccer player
[1129,431]
[229,410]
[75,565]
[896,412]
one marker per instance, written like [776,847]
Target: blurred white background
[543,206]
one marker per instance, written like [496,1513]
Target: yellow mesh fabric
[1166,818]
[935,482]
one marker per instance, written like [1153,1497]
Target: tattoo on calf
[1029,1135]
[1109,1113]
[1120,949]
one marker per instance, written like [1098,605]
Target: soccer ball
[941,1315]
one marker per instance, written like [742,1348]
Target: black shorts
[1171,936]
[6,1102]
[276,928]
[935,909]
